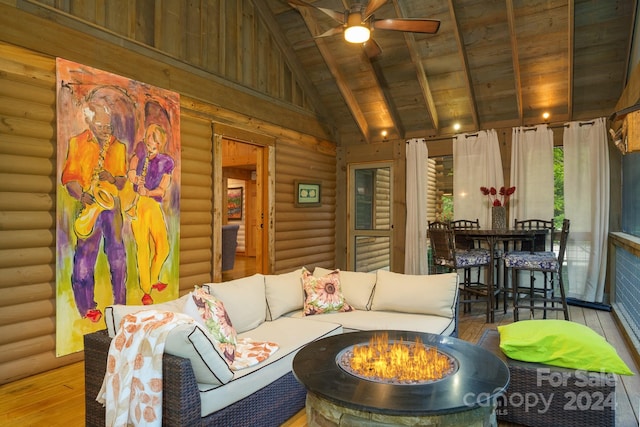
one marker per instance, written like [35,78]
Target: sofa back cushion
[113,314]
[283,293]
[421,294]
[357,287]
[244,299]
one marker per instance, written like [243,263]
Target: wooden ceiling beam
[462,52]
[421,74]
[341,82]
[390,106]
[515,60]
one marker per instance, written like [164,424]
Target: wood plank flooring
[56,398]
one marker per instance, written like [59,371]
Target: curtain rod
[558,126]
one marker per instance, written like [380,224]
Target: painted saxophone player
[94,172]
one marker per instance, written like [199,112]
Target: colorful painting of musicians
[117,198]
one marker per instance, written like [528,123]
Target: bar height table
[492,237]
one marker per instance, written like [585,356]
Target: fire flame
[399,361]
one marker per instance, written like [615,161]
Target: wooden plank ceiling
[492,64]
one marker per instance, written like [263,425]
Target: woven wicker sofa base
[542,395]
[269,406]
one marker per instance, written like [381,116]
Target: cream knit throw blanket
[132,386]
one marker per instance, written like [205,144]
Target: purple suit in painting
[83,160]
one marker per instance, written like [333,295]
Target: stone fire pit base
[324,413]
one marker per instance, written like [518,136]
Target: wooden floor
[57,397]
[242,267]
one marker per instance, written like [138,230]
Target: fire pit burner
[396,362]
[465,396]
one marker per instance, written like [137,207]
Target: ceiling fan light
[357,34]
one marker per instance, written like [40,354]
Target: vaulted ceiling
[492,64]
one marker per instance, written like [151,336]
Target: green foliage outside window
[558,184]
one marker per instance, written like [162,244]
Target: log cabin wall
[262,97]
[305,235]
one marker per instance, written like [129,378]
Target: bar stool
[446,255]
[529,297]
[463,242]
[540,243]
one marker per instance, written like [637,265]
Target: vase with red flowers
[498,200]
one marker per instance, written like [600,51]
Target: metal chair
[465,224]
[464,242]
[530,297]
[540,243]
[445,254]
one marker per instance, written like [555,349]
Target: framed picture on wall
[308,194]
[234,203]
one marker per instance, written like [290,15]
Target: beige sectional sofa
[199,388]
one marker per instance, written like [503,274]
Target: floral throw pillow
[323,294]
[214,317]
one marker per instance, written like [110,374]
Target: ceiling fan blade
[371,48]
[330,32]
[372,7]
[338,16]
[416,25]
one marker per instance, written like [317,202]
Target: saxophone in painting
[103,193]
[129,196]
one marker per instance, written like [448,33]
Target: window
[444,188]
[630,194]
[558,187]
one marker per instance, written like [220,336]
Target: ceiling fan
[357,22]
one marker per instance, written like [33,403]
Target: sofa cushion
[421,294]
[291,335]
[113,314]
[209,312]
[367,320]
[244,299]
[189,341]
[357,287]
[323,294]
[560,343]
[196,344]
[284,293]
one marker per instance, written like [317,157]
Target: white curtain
[531,173]
[476,163]
[415,252]
[586,198]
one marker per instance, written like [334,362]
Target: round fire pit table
[465,397]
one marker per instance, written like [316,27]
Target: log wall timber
[196,203]
[432,200]
[27,220]
[28,168]
[304,236]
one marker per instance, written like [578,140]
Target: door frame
[352,233]
[265,184]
